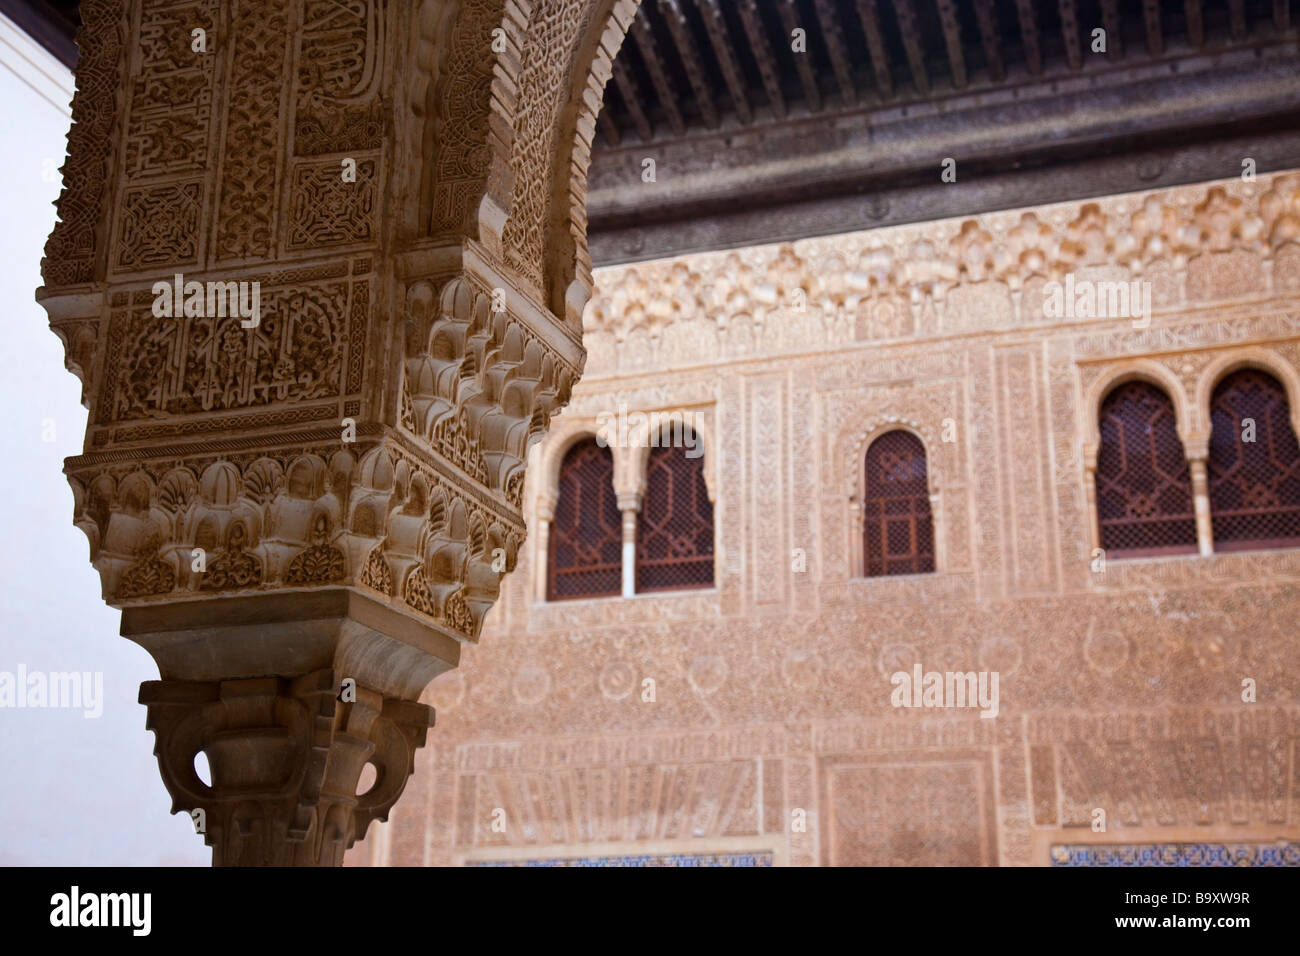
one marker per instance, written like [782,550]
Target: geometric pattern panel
[1144,486]
[1254,466]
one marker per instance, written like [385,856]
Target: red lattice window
[586,542]
[674,535]
[1254,484]
[898,530]
[1144,487]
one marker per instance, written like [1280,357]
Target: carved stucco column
[543,515]
[298,511]
[1198,453]
[629,506]
[1090,453]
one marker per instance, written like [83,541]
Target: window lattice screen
[1144,487]
[1254,485]
[674,538]
[898,530]
[586,542]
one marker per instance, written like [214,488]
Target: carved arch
[546,472]
[638,455]
[853,444]
[1248,357]
[1191,426]
[455,87]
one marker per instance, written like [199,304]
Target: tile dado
[1177,854]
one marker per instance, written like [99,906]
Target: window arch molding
[1191,432]
[546,471]
[639,456]
[1243,358]
[853,463]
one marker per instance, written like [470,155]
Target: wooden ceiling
[690,65]
[755,141]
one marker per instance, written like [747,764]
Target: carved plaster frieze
[1192,245]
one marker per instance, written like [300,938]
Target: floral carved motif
[246,207]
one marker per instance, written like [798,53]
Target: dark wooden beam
[906,14]
[767,67]
[811,94]
[1029,36]
[1070,32]
[690,55]
[632,98]
[731,71]
[833,33]
[952,39]
[1281,15]
[1195,22]
[1114,27]
[987,17]
[1155,35]
[645,43]
[870,18]
[1237,18]
[608,128]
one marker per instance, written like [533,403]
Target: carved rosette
[286,758]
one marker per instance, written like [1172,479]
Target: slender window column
[1201,500]
[544,515]
[629,502]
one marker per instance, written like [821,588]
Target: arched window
[1254,466]
[586,537]
[898,530]
[674,535]
[1144,487]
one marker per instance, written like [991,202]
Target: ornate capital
[286,758]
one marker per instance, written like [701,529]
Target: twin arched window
[897,526]
[674,529]
[1144,485]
